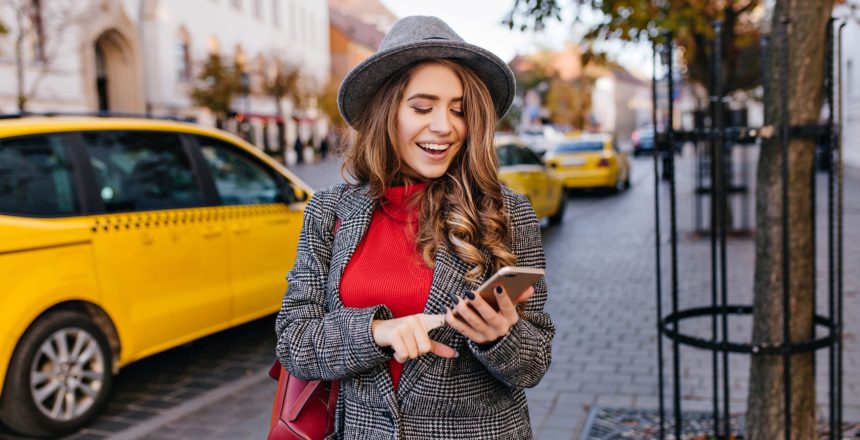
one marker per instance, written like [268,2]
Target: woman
[380,296]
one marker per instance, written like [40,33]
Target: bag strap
[302,399]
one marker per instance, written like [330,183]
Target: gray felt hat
[414,39]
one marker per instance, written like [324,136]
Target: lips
[434,148]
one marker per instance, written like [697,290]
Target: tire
[627,183]
[88,380]
[556,218]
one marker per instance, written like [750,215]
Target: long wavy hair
[462,210]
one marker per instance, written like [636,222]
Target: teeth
[437,147]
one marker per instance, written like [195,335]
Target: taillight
[603,162]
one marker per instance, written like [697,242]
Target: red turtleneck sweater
[387,268]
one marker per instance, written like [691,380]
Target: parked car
[524,172]
[540,138]
[643,141]
[592,161]
[121,238]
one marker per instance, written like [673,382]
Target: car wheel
[619,185]
[627,184]
[59,377]
[556,218]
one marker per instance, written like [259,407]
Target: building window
[276,13]
[237,4]
[258,9]
[183,56]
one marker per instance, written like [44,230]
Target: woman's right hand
[408,336]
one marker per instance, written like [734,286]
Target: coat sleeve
[521,358]
[313,343]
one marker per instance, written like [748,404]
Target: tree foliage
[37,32]
[691,22]
[215,86]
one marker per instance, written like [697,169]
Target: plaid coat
[478,395]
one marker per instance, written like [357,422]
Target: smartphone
[514,279]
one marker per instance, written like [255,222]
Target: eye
[458,112]
[422,110]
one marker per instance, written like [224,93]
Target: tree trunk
[20,62]
[805,37]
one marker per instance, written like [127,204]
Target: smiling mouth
[434,148]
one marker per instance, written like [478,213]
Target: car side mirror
[299,194]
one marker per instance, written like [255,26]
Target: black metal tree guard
[720,138]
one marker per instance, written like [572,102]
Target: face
[431,127]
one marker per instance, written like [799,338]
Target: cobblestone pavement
[601,276]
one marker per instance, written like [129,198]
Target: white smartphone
[514,279]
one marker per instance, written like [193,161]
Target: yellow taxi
[590,161]
[524,172]
[121,238]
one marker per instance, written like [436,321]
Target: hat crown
[417,28]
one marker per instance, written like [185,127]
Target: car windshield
[567,147]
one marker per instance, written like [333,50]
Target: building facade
[143,56]
[850,84]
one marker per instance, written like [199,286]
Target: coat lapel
[355,211]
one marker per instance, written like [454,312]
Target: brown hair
[463,209]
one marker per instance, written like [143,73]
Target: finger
[431,321]
[506,307]
[442,350]
[471,317]
[485,310]
[421,340]
[462,327]
[525,296]
[400,353]
[411,346]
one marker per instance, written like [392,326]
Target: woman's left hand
[475,319]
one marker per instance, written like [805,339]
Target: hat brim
[362,82]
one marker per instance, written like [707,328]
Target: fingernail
[456,354]
[453,297]
[470,295]
[499,290]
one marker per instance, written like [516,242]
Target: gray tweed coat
[478,395]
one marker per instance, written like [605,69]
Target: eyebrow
[431,97]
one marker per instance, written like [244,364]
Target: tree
[281,81]
[805,37]
[42,24]
[805,62]
[215,86]
[328,103]
[690,20]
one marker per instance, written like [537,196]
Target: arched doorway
[115,74]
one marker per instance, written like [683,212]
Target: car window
[139,171]
[507,155]
[239,178]
[36,177]
[569,147]
[529,157]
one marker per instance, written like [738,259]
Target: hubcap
[67,374]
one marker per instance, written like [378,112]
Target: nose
[441,124]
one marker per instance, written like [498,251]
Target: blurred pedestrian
[380,297]
[327,140]
[298,146]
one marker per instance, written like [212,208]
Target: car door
[161,254]
[544,189]
[263,225]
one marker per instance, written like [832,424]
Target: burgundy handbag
[303,410]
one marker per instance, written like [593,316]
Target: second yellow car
[592,161]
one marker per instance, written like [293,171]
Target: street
[601,278]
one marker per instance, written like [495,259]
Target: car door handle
[240,228]
[212,232]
